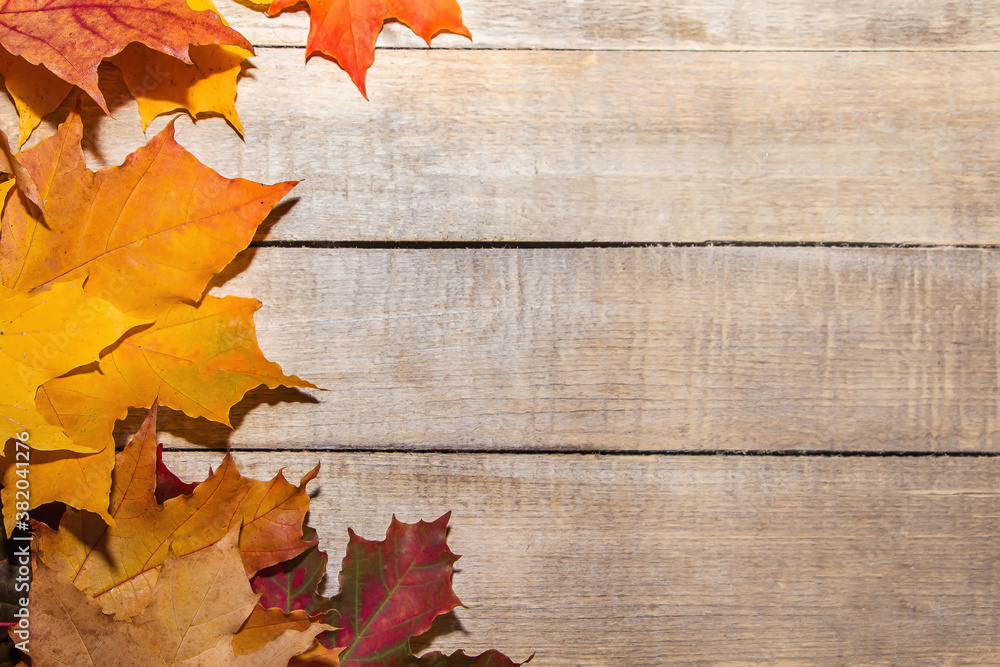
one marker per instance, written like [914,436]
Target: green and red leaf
[392,590]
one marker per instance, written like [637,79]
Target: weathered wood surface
[627,349]
[682,24]
[639,147]
[643,121]
[655,560]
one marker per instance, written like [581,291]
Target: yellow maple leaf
[199,604]
[161,84]
[199,360]
[44,334]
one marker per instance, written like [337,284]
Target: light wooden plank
[666,560]
[642,147]
[683,24]
[635,147]
[625,349]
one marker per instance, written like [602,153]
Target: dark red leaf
[391,591]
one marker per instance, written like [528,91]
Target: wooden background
[689,311]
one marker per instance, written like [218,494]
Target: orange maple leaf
[346,30]
[195,613]
[70,38]
[118,565]
[146,235]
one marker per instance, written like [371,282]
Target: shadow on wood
[201,431]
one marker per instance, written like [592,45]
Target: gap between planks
[790,453]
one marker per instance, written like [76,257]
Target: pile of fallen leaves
[103,309]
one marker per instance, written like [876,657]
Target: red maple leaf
[346,30]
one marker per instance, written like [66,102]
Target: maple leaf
[44,334]
[70,38]
[118,564]
[390,591]
[199,604]
[199,360]
[346,30]
[162,85]
[147,234]
[205,87]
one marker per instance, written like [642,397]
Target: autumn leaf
[199,360]
[71,38]
[118,564]
[198,606]
[44,334]
[162,84]
[159,82]
[147,234]
[346,30]
[390,591]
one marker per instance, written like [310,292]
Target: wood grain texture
[682,24]
[638,147]
[626,349]
[673,560]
